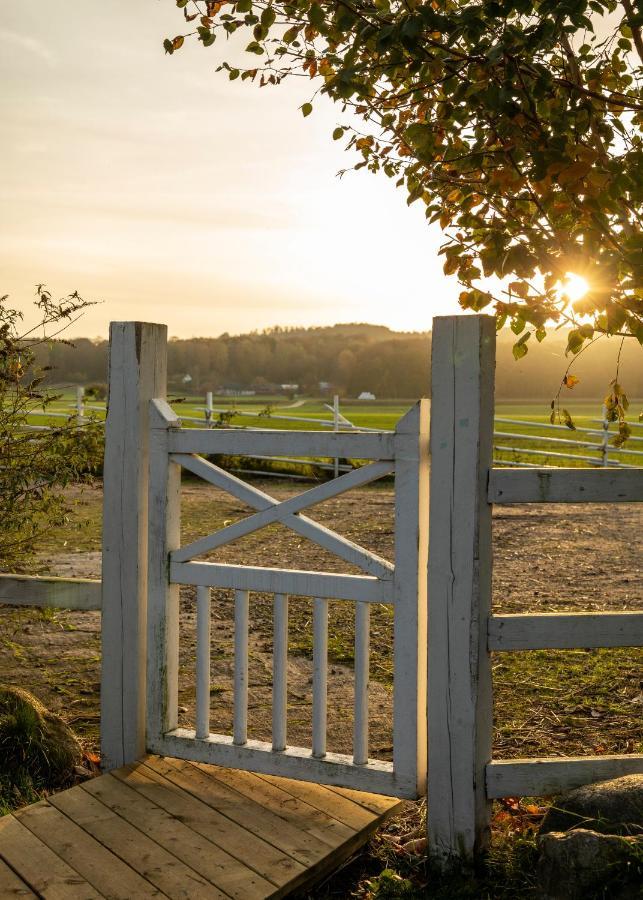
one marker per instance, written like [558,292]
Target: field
[534,442]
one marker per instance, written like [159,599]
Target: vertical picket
[137,373]
[240,725]
[460,563]
[280,673]
[163,597]
[410,646]
[362,648]
[203,639]
[320,675]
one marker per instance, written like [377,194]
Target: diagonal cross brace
[286,512]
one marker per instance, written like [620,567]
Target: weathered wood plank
[410,609]
[244,811]
[295,762]
[84,854]
[137,372]
[283,443]
[542,777]
[11,885]
[285,581]
[559,631]
[322,825]
[41,590]
[269,862]
[459,678]
[42,869]
[283,511]
[172,877]
[210,861]
[333,804]
[324,537]
[565,485]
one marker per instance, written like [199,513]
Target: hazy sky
[173,195]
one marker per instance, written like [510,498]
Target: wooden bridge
[170,828]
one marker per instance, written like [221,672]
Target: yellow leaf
[570,381]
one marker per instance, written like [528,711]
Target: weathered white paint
[280,672]
[347,550]
[287,581]
[559,631]
[320,676]
[137,373]
[543,777]
[459,678]
[203,639]
[282,512]
[565,485]
[43,590]
[241,610]
[411,444]
[362,660]
[358,445]
[163,595]
[295,762]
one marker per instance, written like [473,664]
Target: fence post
[208,409]
[460,566]
[605,440]
[137,374]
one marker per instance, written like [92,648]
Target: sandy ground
[559,557]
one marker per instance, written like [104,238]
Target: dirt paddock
[559,557]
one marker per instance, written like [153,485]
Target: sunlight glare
[574,287]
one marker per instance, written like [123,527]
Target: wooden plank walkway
[169,828]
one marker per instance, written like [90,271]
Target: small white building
[366,395]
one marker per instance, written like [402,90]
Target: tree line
[350,359]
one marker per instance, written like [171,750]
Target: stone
[609,807]
[578,864]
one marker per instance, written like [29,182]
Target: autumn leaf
[570,381]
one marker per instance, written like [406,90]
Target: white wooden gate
[402,585]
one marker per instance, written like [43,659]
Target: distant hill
[351,358]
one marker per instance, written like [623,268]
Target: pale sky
[174,195]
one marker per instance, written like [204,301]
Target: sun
[574,287]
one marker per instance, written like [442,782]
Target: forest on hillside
[349,359]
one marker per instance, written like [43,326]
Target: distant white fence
[463,777]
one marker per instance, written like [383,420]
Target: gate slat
[280,672]
[320,675]
[203,638]
[240,728]
[362,659]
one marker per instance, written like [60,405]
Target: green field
[539,449]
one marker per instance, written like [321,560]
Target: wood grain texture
[168,828]
[459,573]
[42,590]
[542,777]
[137,373]
[560,631]
[565,485]
[283,443]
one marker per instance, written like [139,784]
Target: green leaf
[338,133]
[268,17]
[306,109]
[168,46]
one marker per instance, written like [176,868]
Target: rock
[578,864]
[35,744]
[609,807]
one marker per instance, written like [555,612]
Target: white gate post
[137,373]
[411,546]
[460,709]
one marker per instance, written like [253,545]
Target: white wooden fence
[146,447]
[463,777]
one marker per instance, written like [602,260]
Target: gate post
[460,712]
[137,374]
